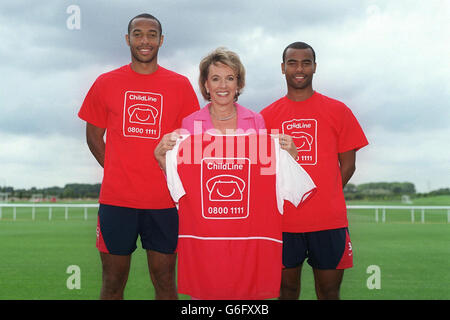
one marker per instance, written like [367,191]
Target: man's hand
[167,143]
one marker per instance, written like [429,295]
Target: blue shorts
[118,229]
[327,249]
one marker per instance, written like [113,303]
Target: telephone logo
[142,113]
[225,190]
[304,134]
[303,141]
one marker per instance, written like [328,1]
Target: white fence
[50,207]
[377,210]
[413,209]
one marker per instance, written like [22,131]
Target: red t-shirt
[230,190]
[136,110]
[321,128]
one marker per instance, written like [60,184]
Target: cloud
[45,103]
[420,157]
[386,60]
[43,161]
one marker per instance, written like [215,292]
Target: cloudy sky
[387,60]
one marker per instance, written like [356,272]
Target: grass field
[414,258]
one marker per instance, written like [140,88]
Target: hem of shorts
[314,229]
[335,268]
[161,250]
[321,268]
[284,267]
[134,205]
[115,253]
[345,267]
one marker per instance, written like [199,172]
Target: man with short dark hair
[327,136]
[136,105]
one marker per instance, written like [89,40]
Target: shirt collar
[243,113]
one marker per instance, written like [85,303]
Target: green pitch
[413,258]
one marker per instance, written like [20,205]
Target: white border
[315,140]
[248,186]
[124,114]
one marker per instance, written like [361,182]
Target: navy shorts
[327,249]
[118,229]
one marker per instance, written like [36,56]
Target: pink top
[246,119]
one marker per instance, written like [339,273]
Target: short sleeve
[293,182]
[351,135]
[266,118]
[94,109]
[189,101]
[174,183]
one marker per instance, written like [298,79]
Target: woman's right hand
[167,143]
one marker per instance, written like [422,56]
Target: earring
[236,95]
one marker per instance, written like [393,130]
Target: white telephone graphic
[142,114]
[225,188]
[302,140]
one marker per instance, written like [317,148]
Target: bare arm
[96,143]
[347,165]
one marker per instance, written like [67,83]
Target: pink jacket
[246,119]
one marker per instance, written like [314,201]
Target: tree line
[387,191]
[365,191]
[69,191]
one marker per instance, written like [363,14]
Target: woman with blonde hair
[221,81]
[245,239]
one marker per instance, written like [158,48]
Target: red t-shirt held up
[321,128]
[136,110]
[230,190]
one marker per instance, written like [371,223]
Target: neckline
[130,69]
[302,101]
